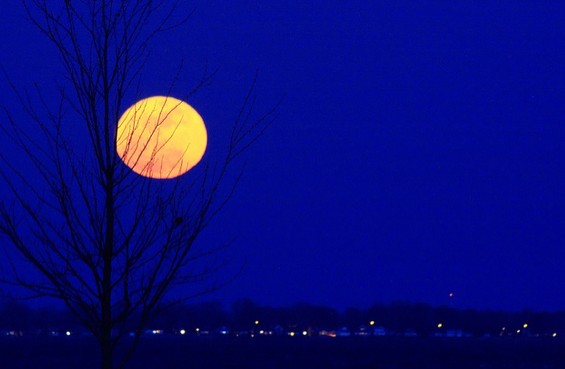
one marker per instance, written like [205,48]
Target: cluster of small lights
[504,331]
[328,333]
[292,334]
[305,333]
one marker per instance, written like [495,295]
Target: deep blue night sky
[419,148]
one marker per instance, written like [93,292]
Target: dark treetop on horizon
[420,149]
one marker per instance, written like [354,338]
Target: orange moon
[161,137]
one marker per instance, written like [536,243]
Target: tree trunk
[106,298]
[106,349]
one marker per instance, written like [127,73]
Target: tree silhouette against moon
[161,137]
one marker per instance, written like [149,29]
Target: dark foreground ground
[294,353]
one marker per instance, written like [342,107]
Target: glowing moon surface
[161,137]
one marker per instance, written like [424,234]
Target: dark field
[294,353]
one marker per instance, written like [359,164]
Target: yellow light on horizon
[525,325]
[372,322]
[440,325]
[161,137]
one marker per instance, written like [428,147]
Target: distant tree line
[248,317]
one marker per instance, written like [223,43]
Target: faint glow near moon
[161,137]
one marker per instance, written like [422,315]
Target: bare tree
[107,242]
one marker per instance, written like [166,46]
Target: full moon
[161,137]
